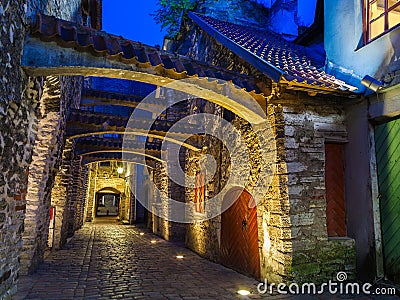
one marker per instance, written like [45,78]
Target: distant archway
[107,202]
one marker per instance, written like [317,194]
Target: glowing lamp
[243,292]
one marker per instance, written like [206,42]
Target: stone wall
[19,98]
[51,119]
[243,12]
[203,237]
[106,177]
[159,204]
[293,239]
[308,125]
[81,196]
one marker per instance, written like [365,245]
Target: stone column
[74,198]
[160,202]
[18,132]
[61,195]
[46,155]
[82,188]
[176,192]
[90,192]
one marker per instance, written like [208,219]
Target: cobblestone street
[110,261]
[107,261]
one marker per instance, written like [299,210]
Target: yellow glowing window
[380,16]
[199,192]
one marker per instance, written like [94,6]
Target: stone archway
[116,57]
[107,202]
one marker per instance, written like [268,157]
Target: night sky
[131,19]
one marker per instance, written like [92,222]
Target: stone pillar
[130,194]
[82,189]
[90,192]
[159,204]
[176,192]
[61,195]
[46,155]
[75,193]
[18,132]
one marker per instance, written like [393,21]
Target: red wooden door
[239,235]
[334,184]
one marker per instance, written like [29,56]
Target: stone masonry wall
[241,12]
[41,175]
[51,119]
[16,138]
[61,195]
[292,217]
[75,199]
[19,98]
[308,125]
[159,204]
[203,237]
[99,178]
[273,211]
[81,196]
[90,187]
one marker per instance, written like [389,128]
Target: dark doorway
[107,204]
[239,234]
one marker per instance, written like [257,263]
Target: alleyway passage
[110,261]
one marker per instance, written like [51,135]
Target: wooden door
[239,234]
[334,185]
[387,139]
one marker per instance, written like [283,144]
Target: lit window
[380,16]
[199,192]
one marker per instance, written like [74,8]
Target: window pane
[394,17]
[393,2]
[376,9]
[377,27]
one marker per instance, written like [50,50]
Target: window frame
[367,22]
[199,192]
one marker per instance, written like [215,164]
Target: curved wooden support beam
[160,136]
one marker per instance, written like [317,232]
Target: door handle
[244,224]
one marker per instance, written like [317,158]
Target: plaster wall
[349,58]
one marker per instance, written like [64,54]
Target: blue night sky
[131,19]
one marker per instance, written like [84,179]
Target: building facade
[300,166]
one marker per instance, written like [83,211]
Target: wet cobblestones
[110,261]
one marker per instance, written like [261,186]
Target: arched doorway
[107,202]
[239,233]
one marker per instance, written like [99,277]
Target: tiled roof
[276,57]
[99,43]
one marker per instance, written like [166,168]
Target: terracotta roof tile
[284,60]
[99,43]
